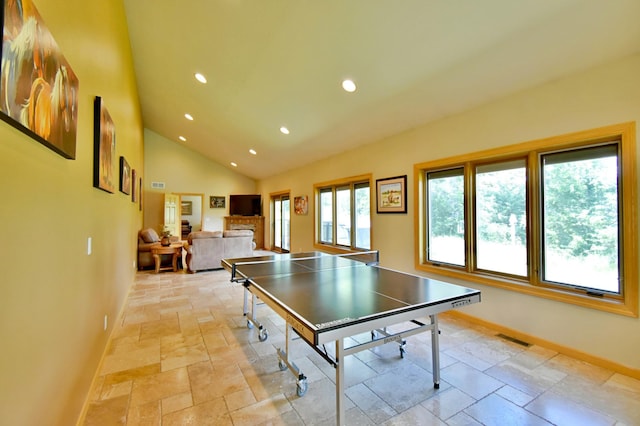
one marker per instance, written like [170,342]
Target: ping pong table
[332,298]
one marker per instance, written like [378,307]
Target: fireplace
[242,227]
[252,223]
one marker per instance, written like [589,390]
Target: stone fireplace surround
[253,223]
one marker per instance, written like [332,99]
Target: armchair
[148,238]
[186,229]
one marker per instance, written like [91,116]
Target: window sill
[333,249]
[627,307]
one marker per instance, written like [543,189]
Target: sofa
[206,249]
[148,238]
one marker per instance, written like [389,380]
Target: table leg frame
[341,352]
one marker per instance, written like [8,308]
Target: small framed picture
[134,183]
[125,176]
[391,195]
[301,204]
[187,208]
[216,202]
[104,148]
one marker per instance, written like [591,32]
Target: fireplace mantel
[254,223]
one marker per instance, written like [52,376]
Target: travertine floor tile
[212,413]
[558,410]
[497,411]
[111,411]
[182,354]
[159,386]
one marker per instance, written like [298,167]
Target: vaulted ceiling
[275,63]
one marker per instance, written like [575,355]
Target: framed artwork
[104,147]
[391,195]
[216,202]
[134,183]
[125,176]
[39,90]
[301,204]
[187,208]
[140,204]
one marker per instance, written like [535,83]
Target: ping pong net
[299,263]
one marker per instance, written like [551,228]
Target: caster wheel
[249,325]
[403,349]
[301,387]
[282,366]
[263,335]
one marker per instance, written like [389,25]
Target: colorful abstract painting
[38,88]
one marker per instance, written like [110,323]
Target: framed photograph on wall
[391,195]
[216,202]
[301,204]
[134,189]
[125,176]
[104,147]
[186,207]
[39,90]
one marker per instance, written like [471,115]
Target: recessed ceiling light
[201,78]
[182,138]
[349,85]
[234,164]
[188,117]
[253,151]
[284,130]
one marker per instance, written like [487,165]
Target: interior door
[172,213]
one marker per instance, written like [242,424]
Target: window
[326,216]
[544,218]
[344,218]
[501,217]
[580,237]
[446,216]
[363,215]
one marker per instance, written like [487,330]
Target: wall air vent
[157,185]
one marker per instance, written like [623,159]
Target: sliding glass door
[281,223]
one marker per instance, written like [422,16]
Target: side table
[174,249]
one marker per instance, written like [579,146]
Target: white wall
[195,218]
[602,96]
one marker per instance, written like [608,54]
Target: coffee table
[175,249]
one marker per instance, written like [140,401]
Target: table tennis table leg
[285,363]
[252,319]
[435,350]
[245,307]
[340,415]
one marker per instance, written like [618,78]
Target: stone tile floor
[182,355]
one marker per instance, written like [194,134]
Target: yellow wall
[605,95]
[184,171]
[53,296]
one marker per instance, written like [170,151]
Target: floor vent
[514,340]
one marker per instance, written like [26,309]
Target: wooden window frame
[334,184]
[625,304]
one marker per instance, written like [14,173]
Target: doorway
[191,213]
[281,223]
